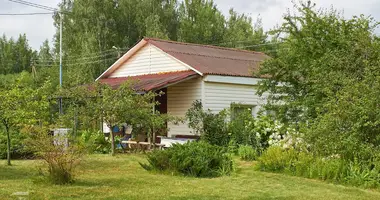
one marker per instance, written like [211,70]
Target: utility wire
[27,3]
[34,5]
[81,63]
[23,14]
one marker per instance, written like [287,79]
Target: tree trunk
[112,143]
[8,146]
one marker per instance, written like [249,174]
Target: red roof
[151,81]
[212,59]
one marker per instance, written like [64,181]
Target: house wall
[218,95]
[148,60]
[180,97]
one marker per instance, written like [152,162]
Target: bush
[198,159]
[211,127]
[60,157]
[332,168]
[275,159]
[18,148]
[246,152]
[94,142]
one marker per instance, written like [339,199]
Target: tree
[200,22]
[15,56]
[320,51]
[325,79]
[122,105]
[93,28]
[240,32]
[20,104]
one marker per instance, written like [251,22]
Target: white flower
[270,142]
[258,134]
[267,129]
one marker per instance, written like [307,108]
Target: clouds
[37,27]
[40,27]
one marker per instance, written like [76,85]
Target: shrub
[94,142]
[18,148]
[198,159]
[60,157]
[332,168]
[275,159]
[211,127]
[246,152]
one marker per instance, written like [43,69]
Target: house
[218,77]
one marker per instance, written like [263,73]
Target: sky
[40,27]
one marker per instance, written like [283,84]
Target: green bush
[18,148]
[333,168]
[94,142]
[275,159]
[198,159]
[247,152]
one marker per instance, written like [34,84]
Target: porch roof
[150,82]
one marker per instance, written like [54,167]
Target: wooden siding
[148,60]
[180,97]
[218,96]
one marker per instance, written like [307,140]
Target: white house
[218,77]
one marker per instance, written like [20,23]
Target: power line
[27,3]
[80,63]
[34,5]
[23,14]
[79,58]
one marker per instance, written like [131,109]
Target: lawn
[121,177]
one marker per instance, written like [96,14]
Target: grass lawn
[121,177]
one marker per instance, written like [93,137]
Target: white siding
[218,96]
[148,60]
[180,98]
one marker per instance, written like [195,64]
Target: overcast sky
[40,27]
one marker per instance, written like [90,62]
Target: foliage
[275,159]
[60,155]
[350,127]
[21,104]
[94,142]
[319,53]
[240,33]
[325,80]
[242,131]
[94,28]
[15,56]
[211,127]
[224,129]
[246,152]
[198,159]
[18,148]
[200,22]
[332,168]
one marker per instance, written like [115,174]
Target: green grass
[121,177]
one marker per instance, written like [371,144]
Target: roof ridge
[204,45]
[204,55]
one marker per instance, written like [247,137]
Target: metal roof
[212,59]
[151,81]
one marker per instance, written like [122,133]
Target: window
[239,108]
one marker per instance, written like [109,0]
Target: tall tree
[94,32]
[200,22]
[320,54]
[15,56]
[241,34]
